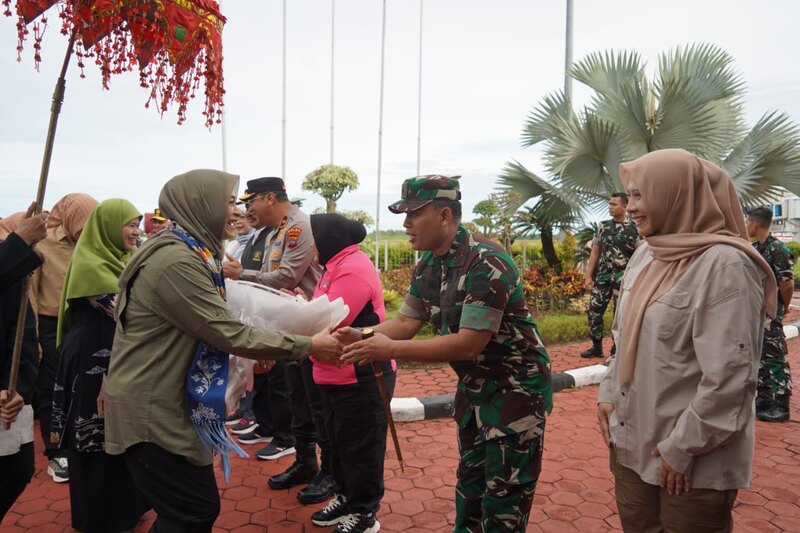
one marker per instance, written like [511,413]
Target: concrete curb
[441,406]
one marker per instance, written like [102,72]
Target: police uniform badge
[293,237]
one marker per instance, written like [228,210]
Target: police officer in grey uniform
[289,262]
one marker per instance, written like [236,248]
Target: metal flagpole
[568,55]
[333,30]
[283,120]
[380,142]
[419,94]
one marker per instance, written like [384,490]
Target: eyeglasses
[249,202]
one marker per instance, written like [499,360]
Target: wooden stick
[387,409]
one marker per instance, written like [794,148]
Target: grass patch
[554,328]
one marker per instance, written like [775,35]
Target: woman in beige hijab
[676,405]
[64,226]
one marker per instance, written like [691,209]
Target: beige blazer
[695,376]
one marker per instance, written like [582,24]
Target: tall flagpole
[333,29]
[283,120]
[419,94]
[568,55]
[380,140]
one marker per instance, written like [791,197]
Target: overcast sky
[486,65]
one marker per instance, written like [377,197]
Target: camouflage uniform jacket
[476,285]
[617,241]
[779,258]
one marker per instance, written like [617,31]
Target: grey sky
[486,64]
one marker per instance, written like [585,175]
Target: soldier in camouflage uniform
[613,245]
[470,290]
[774,374]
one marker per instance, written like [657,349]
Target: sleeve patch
[293,236]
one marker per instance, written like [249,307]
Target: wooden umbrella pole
[387,409]
[55,110]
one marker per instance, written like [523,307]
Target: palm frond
[587,157]
[606,71]
[546,119]
[766,160]
[555,204]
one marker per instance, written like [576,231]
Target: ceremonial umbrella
[175,44]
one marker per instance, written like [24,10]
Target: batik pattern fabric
[208,374]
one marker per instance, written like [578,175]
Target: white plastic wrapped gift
[261,306]
[268,308]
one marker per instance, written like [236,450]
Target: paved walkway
[575,491]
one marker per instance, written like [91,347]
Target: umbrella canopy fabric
[175,44]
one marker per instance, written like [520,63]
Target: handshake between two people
[346,345]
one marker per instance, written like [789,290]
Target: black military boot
[302,470]
[323,486]
[595,351]
[777,411]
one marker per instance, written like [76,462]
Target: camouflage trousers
[774,374]
[603,292]
[497,479]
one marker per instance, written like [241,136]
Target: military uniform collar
[457,254]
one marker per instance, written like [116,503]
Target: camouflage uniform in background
[774,374]
[617,241]
[504,395]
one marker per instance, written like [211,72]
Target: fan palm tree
[694,102]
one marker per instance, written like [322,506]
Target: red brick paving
[575,491]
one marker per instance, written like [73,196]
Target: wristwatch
[366,333]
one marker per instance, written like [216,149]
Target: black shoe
[254,437]
[331,514]
[775,411]
[297,474]
[595,351]
[319,490]
[358,523]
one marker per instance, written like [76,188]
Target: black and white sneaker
[254,437]
[331,514]
[358,523]
[244,425]
[58,469]
[234,418]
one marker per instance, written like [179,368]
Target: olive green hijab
[198,202]
[99,257]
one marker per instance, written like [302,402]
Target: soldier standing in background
[613,245]
[774,374]
[470,290]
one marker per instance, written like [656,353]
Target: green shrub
[398,280]
[557,329]
[794,248]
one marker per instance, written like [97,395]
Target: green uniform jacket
[170,305]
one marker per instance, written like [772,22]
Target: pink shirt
[350,275]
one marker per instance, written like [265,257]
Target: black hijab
[333,233]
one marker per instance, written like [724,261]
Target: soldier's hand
[588,283]
[263,366]
[232,267]
[325,347]
[604,411]
[347,335]
[32,229]
[376,348]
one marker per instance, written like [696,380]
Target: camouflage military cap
[422,190]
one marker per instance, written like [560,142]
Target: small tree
[487,210]
[331,182]
[358,215]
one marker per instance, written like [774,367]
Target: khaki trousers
[646,508]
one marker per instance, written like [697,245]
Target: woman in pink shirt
[354,414]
